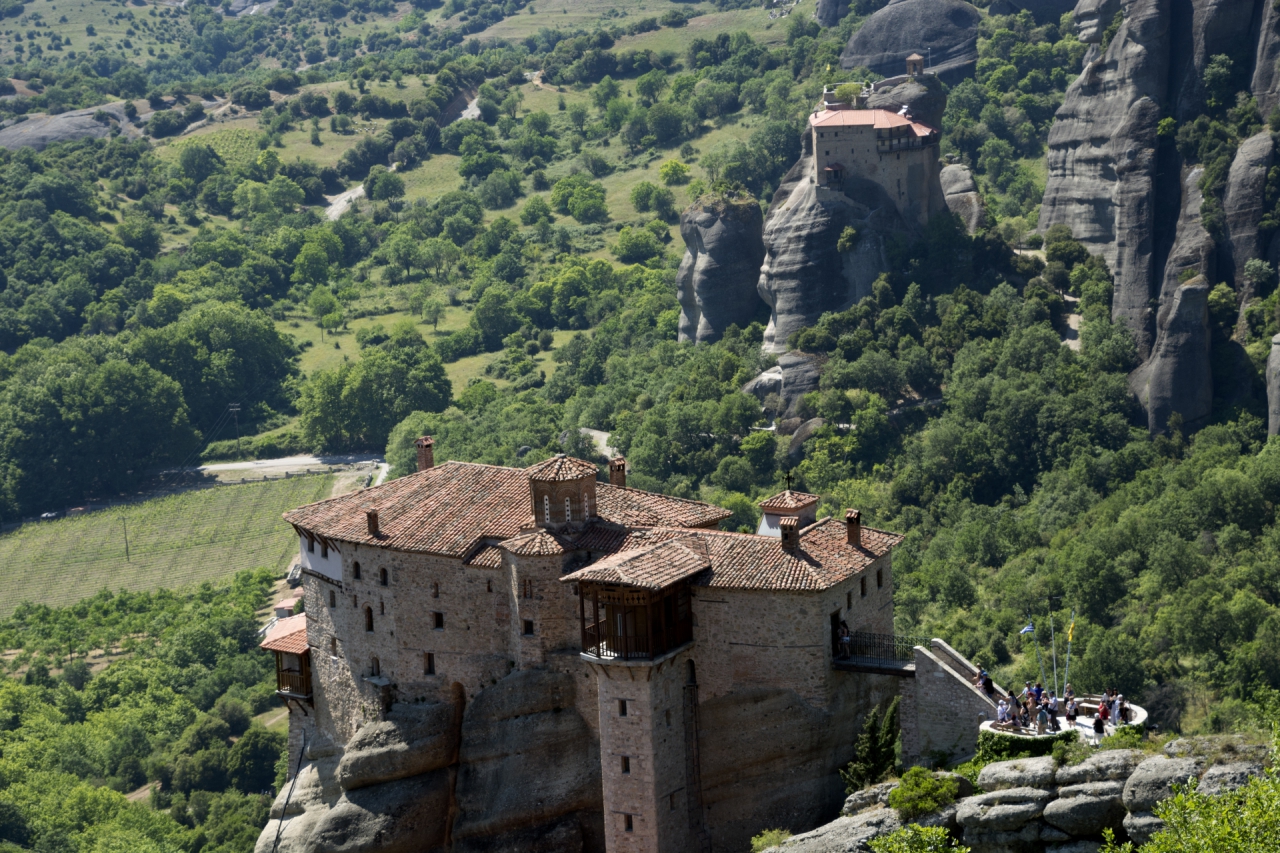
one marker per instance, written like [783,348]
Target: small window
[568,511]
[428,664]
[324,551]
[627,824]
[368,618]
[435,590]
[438,619]
[311,545]
[333,646]
[673,802]
[863,583]
[546,509]
[622,707]
[355,570]
[586,505]
[575,589]
[528,589]
[333,598]
[375,668]
[382,608]
[528,627]
[382,576]
[668,719]
[879,578]
[626,765]
[848,601]
[355,601]
[488,586]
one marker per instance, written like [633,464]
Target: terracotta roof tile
[488,556]
[289,635]
[879,119]
[748,561]
[453,507]
[559,468]
[538,543]
[655,567]
[638,508]
[789,500]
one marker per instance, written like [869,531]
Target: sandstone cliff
[723,252]
[1178,378]
[962,196]
[944,30]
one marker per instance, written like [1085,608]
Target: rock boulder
[1153,781]
[1018,773]
[723,252]
[1087,809]
[944,30]
[411,741]
[1273,387]
[40,130]
[1006,810]
[1222,778]
[829,12]
[1108,765]
[1178,376]
[962,196]
[923,96]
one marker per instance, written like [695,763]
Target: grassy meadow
[174,542]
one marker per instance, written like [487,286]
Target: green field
[174,542]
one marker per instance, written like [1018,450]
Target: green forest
[508,281]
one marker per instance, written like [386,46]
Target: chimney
[853,521]
[371,516]
[426,452]
[790,527]
[618,472]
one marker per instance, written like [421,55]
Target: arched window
[546,509]
[586,505]
[568,513]
[375,668]
[382,576]
[368,618]
[355,570]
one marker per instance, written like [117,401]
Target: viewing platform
[879,654]
[1083,726]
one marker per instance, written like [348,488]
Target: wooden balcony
[620,623]
[293,675]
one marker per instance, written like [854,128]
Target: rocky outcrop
[723,252]
[946,31]
[804,274]
[519,770]
[1273,388]
[923,97]
[1193,249]
[1178,378]
[962,196]
[829,12]
[1266,66]
[1102,159]
[39,130]
[1243,204]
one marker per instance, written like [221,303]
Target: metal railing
[890,649]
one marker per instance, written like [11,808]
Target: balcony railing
[293,683]
[889,650]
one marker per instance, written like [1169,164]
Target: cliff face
[1177,378]
[945,31]
[1127,194]
[723,252]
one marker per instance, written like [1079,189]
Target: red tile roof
[453,507]
[289,635]
[488,556]
[559,468]
[748,561]
[655,567]
[789,500]
[538,543]
[879,119]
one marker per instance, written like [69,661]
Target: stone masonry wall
[904,175]
[940,711]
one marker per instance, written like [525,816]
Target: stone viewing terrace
[1083,727]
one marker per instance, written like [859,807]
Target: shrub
[873,750]
[994,746]
[922,793]
[917,839]
[769,838]
[673,172]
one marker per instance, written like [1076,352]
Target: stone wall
[941,708]
[909,177]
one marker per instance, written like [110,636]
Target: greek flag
[1029,629]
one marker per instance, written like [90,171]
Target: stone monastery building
[533,659]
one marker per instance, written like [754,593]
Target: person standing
[1053,712]
[1072,710]
[1042,720]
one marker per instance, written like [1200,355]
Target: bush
[994,746]
[921,793]
[673,172]
[769,838]
[917,839]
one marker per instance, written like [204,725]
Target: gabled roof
[560,468]
[289,635]
[879,119]
[747,561]
[788,500]
[454,507]
[655,567]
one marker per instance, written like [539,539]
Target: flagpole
[1066,676]
[1036,640]
[1054,640]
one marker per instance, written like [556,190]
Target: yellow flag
[1071,630]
